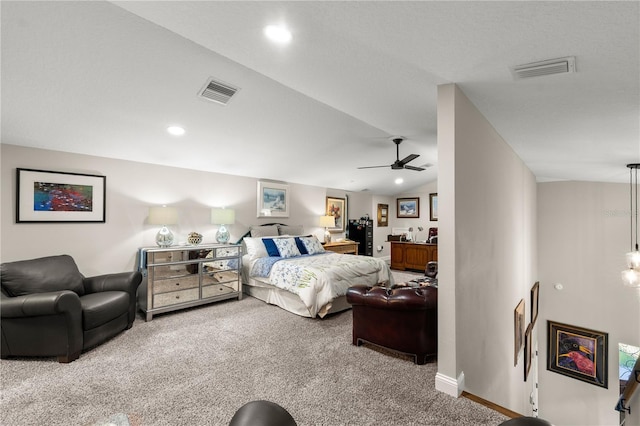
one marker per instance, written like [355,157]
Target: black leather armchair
[49,308]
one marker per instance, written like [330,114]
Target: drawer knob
[177,297]
[177,283]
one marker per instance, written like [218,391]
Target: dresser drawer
[173,284]
[216,290]
[174,297]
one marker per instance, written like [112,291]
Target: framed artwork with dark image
[518,330]
[335,208]
[535,297]
[408,208]
[527,350]
[578,352]
[433,206]
[49,196]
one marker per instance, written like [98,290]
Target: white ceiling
[107,78]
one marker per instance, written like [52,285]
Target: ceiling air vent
[217,91]
[537,69]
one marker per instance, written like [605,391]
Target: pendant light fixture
[631,275]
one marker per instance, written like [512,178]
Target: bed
[284,267]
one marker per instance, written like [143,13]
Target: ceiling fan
[399,164]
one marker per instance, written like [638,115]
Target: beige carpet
[197,367]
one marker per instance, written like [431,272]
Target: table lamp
[163,216]
[223,217]
[327,222]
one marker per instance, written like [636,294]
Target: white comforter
[320,278]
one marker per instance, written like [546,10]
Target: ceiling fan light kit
[399,164]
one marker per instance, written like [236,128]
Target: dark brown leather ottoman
[403,319]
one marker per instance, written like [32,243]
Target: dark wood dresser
[415,256]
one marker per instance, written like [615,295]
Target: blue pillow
[270,245]
[301,246]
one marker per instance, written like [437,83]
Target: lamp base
[164,238]
[327,236]
[222,236]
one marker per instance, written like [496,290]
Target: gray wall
[583,235]
[487,253]
[131,189]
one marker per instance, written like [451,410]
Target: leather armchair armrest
[123,281]
[38,304]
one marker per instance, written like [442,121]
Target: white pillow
[287,247]
[255,248]
[312,244]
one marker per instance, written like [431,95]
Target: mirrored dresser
[180,277]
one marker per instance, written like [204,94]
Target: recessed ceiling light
[278,33]
[175,130]
[399,181]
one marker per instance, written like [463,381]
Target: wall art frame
[383,214]
[518,330]
[578,352]
[433,207]
[45,196]
[336,208]
[535,299]
[528,350]
[408,207]
[273,199]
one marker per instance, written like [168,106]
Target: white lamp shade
[163,216]
[327,221]
[223,216]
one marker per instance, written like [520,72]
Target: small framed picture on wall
[383,214]
[335,208]
[433,207]
[408,207]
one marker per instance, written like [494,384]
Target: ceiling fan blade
[372,167]
[408,158]
[418,169]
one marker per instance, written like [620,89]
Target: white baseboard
[449,385]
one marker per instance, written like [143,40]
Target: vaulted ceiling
[107,78]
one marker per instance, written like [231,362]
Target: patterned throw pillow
[272,248]
[301,247]
[312,244]
[287,247]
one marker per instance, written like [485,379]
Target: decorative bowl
[194,238]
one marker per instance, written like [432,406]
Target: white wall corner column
[448,363]
[450,385]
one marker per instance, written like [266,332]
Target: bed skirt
[291,302]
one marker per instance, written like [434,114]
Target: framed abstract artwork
[273,199]
[335,208]
[578,352]
[48,196]
[408,208]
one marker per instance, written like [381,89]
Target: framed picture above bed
[273,199]
[335,208]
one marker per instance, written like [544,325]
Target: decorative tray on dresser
[180,277]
